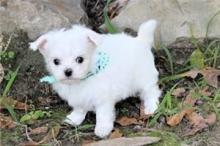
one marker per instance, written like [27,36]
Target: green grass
[167,138]
[111,28]
[6,55]
[210,22]
[167,106]
[11,81]
[5,92]
[170,59]
[217,96]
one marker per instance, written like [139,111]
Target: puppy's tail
[146,32]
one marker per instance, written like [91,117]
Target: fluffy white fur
[131,70]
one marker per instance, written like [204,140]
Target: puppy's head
[68,53]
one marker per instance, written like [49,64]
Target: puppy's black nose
[68,72]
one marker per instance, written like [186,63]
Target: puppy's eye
[56,61]
[79,59]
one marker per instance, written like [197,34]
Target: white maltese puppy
[93,72]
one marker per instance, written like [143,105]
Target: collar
[102,61]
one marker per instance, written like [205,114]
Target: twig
[27,135]
[8,43]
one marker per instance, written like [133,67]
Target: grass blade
[215,56]
[6,90]
[11,81]
[111,28]
[170,59]
[11,111]
[209,23]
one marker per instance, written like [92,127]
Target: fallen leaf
[13,103]
[6,122]
[190,99]
[211,119]
[1,73]
[195,119]
[115,7]
[125,121]
[87,141]
[29,143]
[192,73]
[211,76]
[198,123]
[38,130]
[177,118]
[205,92]
[52,134]
[178,92]
[115,134]
[123,141]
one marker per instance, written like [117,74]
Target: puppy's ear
[94,38]
[39,44]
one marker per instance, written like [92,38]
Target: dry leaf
[115,7]
[115,134]
[177,118]
[87,141]
[178,92]
[190,100]
[195,119]
[211,119]
[192,73]
[52,134]
[123,141]
[205,92]
[13,103]
[1,73]
[29,143]
[38,130]
[6,122]
[198,123]
[125,121]
[211,76]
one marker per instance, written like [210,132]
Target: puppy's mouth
[69,80]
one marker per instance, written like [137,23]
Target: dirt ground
[27,89]
[40,96]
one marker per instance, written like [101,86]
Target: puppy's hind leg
[150,96]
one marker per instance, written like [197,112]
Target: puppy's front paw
[74,119]
[103,130]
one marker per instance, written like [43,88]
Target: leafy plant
[34,115]
[166,106]
[197,59]
[7,55]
